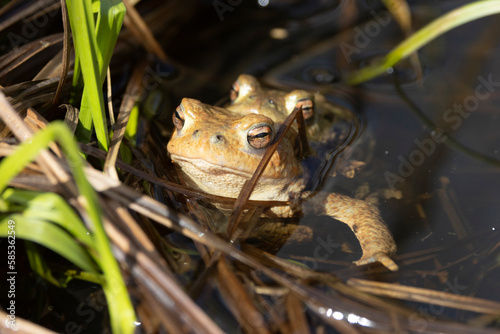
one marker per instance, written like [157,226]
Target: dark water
[431,143]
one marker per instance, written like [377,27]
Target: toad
[327,125]
[249,96]
[218,150]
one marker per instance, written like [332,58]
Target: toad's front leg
[365,221]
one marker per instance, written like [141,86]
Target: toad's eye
[271,104]
[260,136]
[307,107]
[178,117]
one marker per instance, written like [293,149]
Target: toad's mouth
[206,167]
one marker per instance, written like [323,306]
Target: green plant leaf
[121,311]
[84,276]
[84,38]
[132,124]
[423,36]
[94,44]
[50,207]
[109,23]
[38,264]
[49,236]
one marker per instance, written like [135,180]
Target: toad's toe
[378,257]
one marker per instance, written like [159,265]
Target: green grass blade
[82,25]
[132,124]
[121,311]
[49,236]
[50,207]
[85,121]
[109,23]
[77,82]
[84,276]
[434,29]
[99,40]
[39,266]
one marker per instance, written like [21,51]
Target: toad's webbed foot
[365,221]
[377,257]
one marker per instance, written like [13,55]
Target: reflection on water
[430,143]
[351,317]
[433,134]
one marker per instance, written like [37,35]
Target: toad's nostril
[216,139]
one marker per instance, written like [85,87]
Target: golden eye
[260,136]
[307,107]
[178,117]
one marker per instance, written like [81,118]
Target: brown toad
[218,150]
